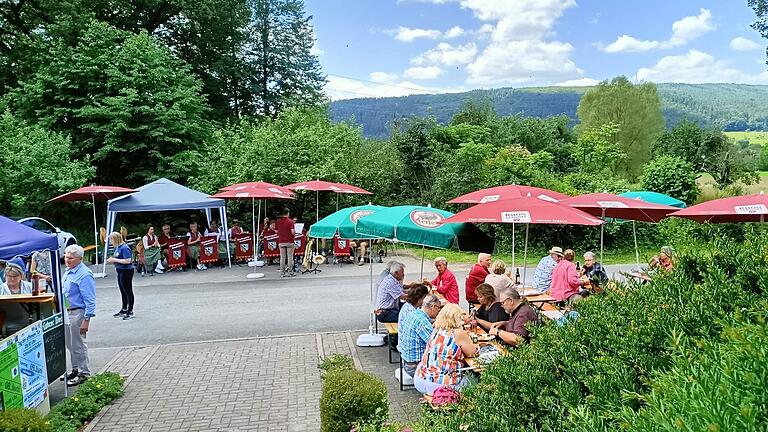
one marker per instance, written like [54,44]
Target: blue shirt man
[415,330]
[542,277]
[79,289]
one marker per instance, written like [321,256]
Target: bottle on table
[517,276]
[35,283]
[472,322]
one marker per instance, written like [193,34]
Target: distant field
[760,138]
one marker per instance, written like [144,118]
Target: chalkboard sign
[55,351]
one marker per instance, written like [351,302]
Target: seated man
[542,277]
[415,328]
[593,275]
[14,279]
[445,281]
[359,247]
[513,331]
[476,276]
[389,294]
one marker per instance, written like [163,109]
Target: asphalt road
[222,304]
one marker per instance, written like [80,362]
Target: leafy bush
[603,372]
[349,397]
[22,420]
[671,175]
[100,390]
[335,363]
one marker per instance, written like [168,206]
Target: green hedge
[350,397]
[626,363]
[23,420]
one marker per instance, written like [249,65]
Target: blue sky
[397,47]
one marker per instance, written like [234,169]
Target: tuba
[306,264]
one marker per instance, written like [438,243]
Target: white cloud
[426,1]
[338,88]
[423,73]
[518,51]
[447,54]
[697,67]
[453,32]
[744,44]
[382,77]
[691,27]
[683,31]
[626,43]
[581,82]
[406,34]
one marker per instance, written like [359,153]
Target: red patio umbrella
[605,205]
[499,193]
[745,208]
[259,185]
[323,186]
[524,210]
[92,193]
[252,192]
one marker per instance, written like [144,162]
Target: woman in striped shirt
[445,352]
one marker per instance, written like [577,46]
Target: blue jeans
[388,315]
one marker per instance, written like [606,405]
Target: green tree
[761,10]
[637,111]
[671,175]
[280,69]
[35,165]
[710,151]
[416,145]
[126,102]
[477,113]
[597,152]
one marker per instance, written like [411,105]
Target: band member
[151,251]
[193,246]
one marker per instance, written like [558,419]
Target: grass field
[760,138]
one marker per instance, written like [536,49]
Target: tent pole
[96,238]
[525,255]
[637,252]
[225,222]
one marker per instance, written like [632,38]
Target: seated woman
[490,310]
[445,352]
[152,251]
[193,246]
[14,280]
[498,278]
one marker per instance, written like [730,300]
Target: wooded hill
[732,107]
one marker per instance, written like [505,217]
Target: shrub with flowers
[72,413]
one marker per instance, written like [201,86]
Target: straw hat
[318,259]
[557,250]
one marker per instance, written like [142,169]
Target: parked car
[42,225]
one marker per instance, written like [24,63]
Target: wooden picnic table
[473,362]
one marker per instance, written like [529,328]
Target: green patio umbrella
[654,198]
[342,222]
[424,226]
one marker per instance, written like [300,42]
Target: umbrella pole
[256,228]
[253,225]
[514,263]
[337,202]
[371,339]
[317,218]
[525,255]
[602,231]
[421,275]
[96,238]
[637,252]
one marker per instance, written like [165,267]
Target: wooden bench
[391,334]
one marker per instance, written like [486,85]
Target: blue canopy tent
[20,240]
[164,195]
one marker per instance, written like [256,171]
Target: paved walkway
[260,384]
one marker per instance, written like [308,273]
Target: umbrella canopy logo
[751,209]
[426,219]
[355,215]
[516,217]
[490,198]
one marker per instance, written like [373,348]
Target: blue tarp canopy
[164,195]
[17,239]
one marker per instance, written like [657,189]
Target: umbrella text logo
[516,217]
[751,209]
[357,214]
[426,219]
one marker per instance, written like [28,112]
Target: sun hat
[557,250]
